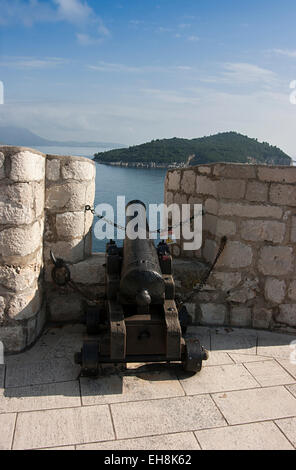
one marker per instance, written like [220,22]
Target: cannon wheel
[194,355]
[89,359]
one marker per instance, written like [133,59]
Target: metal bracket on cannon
[143,321]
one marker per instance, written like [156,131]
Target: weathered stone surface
[276,260]
[218,227]
[204,170]
[234,170]
[7,424]
[19,278]
[174,178]
[2,170]
[280,175]
[78,170]
[292,290]
[69,196]
[231,188]
[210,250]
[39,198]
[53,168]
[90,271]
[242,295]
[293,230]
[263,230]
[275,290]
[287,314]
[17,204]
[269,373]
[241,316]
[168,198]
[2,308]
[257,192]
[212,314]
[72,250]
[226,281]
[64,308]
[188,182]
[283,194]
[27,166]
[24,306]
[261,317]
[13,338]
[238,209]
[20,241]
[288,427]
[70,225]
[211,206]
[236,255]
[205,185]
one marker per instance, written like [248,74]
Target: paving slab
[269,373]
[292,389]
[170,415]
[7,423]
[59,448]
[255,436]
[259,404]
[179,441]
[233,342]
[288,365]
[218,378]
[217,359]
[245,358]
[275,345]
[288,427]
[48,371]
[40,397]
[55,428]
[124,388]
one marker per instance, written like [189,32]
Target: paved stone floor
[244,397]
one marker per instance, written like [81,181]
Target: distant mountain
[10,135]
[223,147]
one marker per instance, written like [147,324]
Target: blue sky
[134,70]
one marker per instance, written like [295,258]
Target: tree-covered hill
[223,147]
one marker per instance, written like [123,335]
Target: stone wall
[42,207]
[254,282]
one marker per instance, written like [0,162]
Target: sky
[130,71]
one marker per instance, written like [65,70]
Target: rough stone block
[257,192]
[241,316]
[2,308]
[25,305]
[251,211]
[69,196]
[78,170]
[19,278]
[211,206]
[219,227]
[234,170]
[204,170]
[275,290]
[280,175]
[261,317]
[2,169]
[213,314]
[236,255]
[39,198]
[205,185]
[173,182]
[231,188]
[70,225]
[53,169]
[210,250]
[17,204]
[283,194]
[188,182]
[287,314]
[226,281]
[89,271]
[293,230]
[65,307]
[276,260]
[27,166]
[292,290]
[71,251]
[13,338]
[263,230]
[20,241]
[242,295]
[168,198]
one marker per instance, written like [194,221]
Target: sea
[146,184]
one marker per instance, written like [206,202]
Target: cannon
[139,321]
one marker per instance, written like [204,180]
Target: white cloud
[32,62]
[285,52]
[247,73]
[193,38]
[74,11]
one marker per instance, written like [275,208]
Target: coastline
[141,164]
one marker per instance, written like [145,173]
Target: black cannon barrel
[141,277]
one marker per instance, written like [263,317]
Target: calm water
[144,184]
